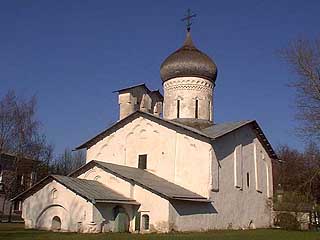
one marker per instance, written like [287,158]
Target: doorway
[56,224]
[121,220]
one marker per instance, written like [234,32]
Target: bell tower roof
[188,61]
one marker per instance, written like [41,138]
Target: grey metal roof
[148,181]
[221,129]
[188,61]
[91,190]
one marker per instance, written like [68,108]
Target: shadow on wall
[224,147]
[185,208]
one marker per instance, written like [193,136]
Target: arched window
[178,108]
[54,193]
[145,222]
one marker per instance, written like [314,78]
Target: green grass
[17,232]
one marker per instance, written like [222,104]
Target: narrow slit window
[209,110]
[178,108]
[248,180]
[196,112]
[142,164]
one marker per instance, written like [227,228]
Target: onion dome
[188,61]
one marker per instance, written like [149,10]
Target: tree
[303,56]
[297,185]
[299,171]
[67,162]
[20,135]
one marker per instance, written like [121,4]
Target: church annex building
[164,165]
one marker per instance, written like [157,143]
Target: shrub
[287,221]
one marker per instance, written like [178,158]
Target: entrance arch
[121,220]
[56,224]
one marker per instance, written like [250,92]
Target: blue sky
[73,54]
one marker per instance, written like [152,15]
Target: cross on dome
[188,19]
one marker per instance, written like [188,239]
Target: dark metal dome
[188,61]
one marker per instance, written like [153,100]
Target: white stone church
[165,165]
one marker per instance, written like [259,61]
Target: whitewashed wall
[155,206]
[174,156]
[235,205]
[39,209]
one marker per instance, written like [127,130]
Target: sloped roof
[221,129]
[209,134]
[146,180]
[91,190]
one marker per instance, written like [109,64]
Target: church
[165,165]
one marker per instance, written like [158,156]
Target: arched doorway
[121,220]
[56,224]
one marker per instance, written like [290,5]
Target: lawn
[17,232]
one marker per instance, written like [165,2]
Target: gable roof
[208,134]
[145,180]
[91,190]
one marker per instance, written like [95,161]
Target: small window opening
[145,222]
[142,161]
[1,174]
[209,110]
[178,108]
[248,180]
[196,113]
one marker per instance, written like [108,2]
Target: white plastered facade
[216,170]
[156,207]
[167,152]
[54,199]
